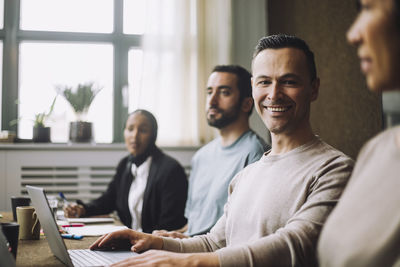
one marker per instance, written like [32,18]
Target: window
[1,49]
[135,75]
[134,16]
[43,66]
[1,14]
[1,71]
[67,15]
[150,54]
[67,42]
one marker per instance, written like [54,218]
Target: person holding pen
[149,189]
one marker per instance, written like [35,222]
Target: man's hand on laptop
[74,210]
[139,241]
[173,234]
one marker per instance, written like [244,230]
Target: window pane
[135,59]
[67,15]
[1,14]
[43,66]
[134,16]
[1,84]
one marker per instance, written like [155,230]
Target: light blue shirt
[213,168]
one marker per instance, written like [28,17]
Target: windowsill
[80,146]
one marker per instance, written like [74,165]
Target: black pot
[80,131]
[41,134]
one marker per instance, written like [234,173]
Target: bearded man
[228,107]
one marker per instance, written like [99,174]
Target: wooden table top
[37,252]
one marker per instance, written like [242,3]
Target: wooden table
[37,252]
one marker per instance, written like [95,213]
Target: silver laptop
[75,257]
[7,259]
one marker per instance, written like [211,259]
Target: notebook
[7,259]
[75,257]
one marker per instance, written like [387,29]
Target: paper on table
[91,220]
[94,230]
[60,217]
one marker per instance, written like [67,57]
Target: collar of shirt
[142,169]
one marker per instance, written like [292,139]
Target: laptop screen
[49,224]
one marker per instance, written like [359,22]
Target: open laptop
[75,257]
[7,259]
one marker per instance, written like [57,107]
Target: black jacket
[164,198]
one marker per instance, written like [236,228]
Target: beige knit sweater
[276,208]
[364,229]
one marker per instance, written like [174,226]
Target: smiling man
[276,206]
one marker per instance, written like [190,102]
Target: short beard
[227,118]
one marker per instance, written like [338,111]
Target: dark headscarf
[139,159]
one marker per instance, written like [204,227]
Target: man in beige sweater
[277,205]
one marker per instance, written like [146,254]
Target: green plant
[80,98]
[40,118]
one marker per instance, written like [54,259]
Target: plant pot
[41,134]
[80,131]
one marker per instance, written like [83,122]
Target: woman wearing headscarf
[149,189]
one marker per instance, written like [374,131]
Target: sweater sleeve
[209,242]
[203,243]
[294,244]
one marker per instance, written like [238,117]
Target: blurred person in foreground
[277,205]
[364,228]
[149,189]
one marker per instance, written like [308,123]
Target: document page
[94,230]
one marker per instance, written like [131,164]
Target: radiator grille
[76,182]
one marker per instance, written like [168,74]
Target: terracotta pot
[80,131]
[41,134]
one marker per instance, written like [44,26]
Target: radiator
[79,173]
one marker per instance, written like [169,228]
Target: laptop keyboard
[86,257]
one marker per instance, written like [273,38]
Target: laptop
[7,259]
[75,257]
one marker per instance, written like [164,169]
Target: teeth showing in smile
[277,109]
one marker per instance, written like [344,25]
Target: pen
[66,203]
[69,236]
[73,225]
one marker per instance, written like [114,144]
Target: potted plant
[41,133]
[80,99]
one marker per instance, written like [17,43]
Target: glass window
[67,15]
[134,16]
[135,61]
[1,14]
[43,66]
[1,71]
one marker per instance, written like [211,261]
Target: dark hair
[243,79]
[285,41]
[152,120]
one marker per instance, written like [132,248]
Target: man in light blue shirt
[228,107]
